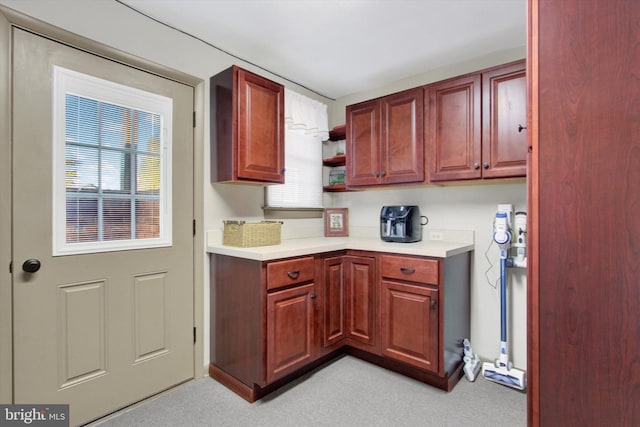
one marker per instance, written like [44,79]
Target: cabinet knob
[377,174]
[383,173]
[485,165]
[476,165]
[433,304]
[312,296]
[521,128]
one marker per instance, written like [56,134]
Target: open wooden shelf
[336,188]
[340,160]
[338,133]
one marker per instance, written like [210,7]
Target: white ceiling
[339,47]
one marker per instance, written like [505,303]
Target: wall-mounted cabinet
[247,128]
[475,125]
[504,118]
[385,142]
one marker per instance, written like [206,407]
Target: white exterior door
[96,330]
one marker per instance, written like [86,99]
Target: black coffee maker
[400,224]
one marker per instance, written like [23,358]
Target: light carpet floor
[344,392]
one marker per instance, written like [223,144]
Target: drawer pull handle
[293,274]
[407,270]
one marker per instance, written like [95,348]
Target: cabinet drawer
[421,270]
[290,272]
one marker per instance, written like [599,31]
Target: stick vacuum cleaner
[502,370]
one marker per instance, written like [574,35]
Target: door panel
[361,325]
[81,332]
[504,144]
[410,324]
[363,144]
[289,330]
[150,312]
[260,133]
[333,301]
[402,137]
[101,330]
[454,128]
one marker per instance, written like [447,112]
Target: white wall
[470,207]
[460,207]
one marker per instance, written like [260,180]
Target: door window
[111,183]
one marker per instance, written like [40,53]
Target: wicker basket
[247,234]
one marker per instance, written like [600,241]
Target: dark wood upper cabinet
[476,127]
[454,128]
[363,143]
[247,128]
[504,115]
[385,143]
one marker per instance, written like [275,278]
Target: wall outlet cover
[435,235]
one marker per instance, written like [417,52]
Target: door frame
[10,19]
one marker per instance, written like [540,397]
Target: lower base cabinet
[410,324]
[290,324]
[272,321]
[362,319]
[410,309]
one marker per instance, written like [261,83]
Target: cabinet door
[363,143]
[402,137]
[361,301]
[410,324]
[333,323]
[454,129]
[289,330]
[260,129]
[504,142]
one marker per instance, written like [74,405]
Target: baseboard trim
[241,389]
[443,383]
[255,392]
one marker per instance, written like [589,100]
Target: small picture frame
[336,222]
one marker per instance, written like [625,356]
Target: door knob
[31,266]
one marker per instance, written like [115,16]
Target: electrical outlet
[435,235]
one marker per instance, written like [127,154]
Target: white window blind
[111,166]
[306,125]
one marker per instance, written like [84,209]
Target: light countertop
[312,245]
